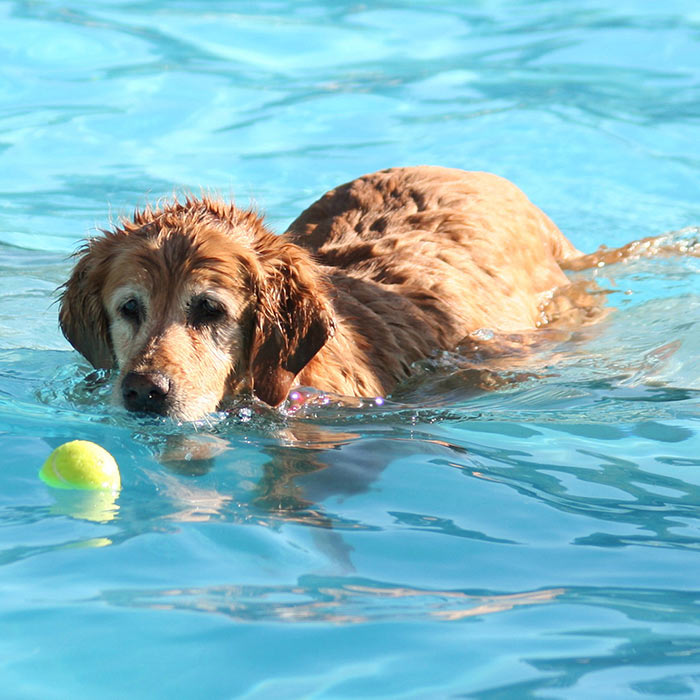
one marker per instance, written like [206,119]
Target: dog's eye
[131,310]
[206,311]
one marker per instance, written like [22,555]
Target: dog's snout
[146,391]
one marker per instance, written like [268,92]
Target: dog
[195,301]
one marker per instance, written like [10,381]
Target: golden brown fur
[196,301]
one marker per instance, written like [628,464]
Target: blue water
[538,541]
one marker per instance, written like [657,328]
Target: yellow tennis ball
[81,464]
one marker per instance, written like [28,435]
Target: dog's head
[193,303]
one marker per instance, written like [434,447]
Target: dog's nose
[146,391]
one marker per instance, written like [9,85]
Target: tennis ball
[81,464]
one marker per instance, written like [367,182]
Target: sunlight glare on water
[537,540]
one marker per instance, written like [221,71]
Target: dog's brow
[149,263]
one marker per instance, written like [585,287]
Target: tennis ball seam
[54,470]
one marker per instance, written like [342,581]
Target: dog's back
[468,246]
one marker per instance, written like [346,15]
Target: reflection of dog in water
[196,302]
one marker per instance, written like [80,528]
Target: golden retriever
[195,301]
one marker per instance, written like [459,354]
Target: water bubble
[482,334]
[245,414]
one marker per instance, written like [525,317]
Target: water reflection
[339,601]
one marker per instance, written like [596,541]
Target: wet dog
[196,301]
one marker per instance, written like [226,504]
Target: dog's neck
[367,355]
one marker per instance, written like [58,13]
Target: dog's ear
[81,315]
[294,321]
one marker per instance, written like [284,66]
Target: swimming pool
[538,541]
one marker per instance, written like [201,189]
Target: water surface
[540,540]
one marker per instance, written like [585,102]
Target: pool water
[540,540]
